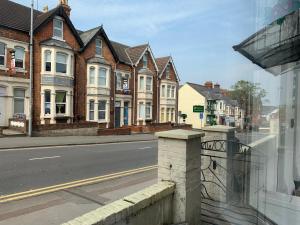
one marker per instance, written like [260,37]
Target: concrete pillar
[179,161]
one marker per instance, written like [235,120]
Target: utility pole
[31,71]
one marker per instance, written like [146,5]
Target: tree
[249,96]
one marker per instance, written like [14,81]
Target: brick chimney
[65,5]
[208,84]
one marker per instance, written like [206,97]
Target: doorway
[117,114]
[126,106]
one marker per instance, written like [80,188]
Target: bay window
[98,47]
[92,73]
[2,54]
[47,97]
[92,110]
[19,101]
[149,84]
[19,57]
[58,28]
[48,60]
[102,77]
[148,110]
[101,110]
[60,102]
[142,83]
[61,62]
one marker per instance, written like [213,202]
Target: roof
[162,63]
[135,53]
[87,36]
[16,16]
[121,52]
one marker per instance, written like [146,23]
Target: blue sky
[198,34]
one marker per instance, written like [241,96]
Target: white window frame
[23,60]
[142,87]
[4,56]
[142,111]
[45,61]
[119,81]
[67,57]
[60,29]
[46,102]
[99,76]
[148,105]
[173,91]
[19,98]
[61,103]
[147,85]
[163,91]
[90,75]
[168,91]
[168,114]
[102,110]
[168,71]
[92,109]
[162,114]
[145,61]
[100,47]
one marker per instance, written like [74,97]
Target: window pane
[60,97]
[47,60]
[19,57]
[2,49]
[92,75]
[141,110]
[119,81]
[58,26]
[102,77]
[61,63]
[19,93]
[19,105]
[141,83]
[163,91]
[47,102]
[92,108]
[101,105]
[169,91]
[98,47]
[145,61]
[149,83]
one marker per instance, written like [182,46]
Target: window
[60,101]
[48,61]
[47,97]
[102,77]
[148,110]
[220,105]
[92,110]
[98,47]
[163,91]
[173,92]
[126,82]
[169,91]
[92,73]
[2,54]
[101,110]
[141,110]
[168,114]
[19,101]
[168,71]
[119,81]
[142,83]
[61,62]
[149,84]
[145,61]
[19,57]
[58,28]
[172,115]
[162,115]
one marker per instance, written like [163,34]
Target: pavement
[61,206]
[25,142]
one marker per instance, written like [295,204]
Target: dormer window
[98,47]
[145,61]
[58,28]
[168,71]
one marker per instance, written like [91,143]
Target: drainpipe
[157,98]
[134,98]
[31,72]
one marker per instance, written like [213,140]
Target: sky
[198,34]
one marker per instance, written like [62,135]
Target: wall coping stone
[180,134]
[219,128]
[128,206]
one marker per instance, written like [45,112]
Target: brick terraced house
[80,75]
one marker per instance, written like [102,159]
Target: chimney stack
[65,5]
[208,84]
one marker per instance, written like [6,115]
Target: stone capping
[180,134]
[219,128]
[126,207]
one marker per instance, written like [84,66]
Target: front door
[126,113]
[117,114]
[2,106]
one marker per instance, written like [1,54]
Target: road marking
[93,180]
[48,157]
[145,148]
[73,145]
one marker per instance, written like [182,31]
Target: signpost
[198,108]
[201,117]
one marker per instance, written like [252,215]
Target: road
[31,168]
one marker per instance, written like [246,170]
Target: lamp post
[31,71]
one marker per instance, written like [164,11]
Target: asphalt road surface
[31,168]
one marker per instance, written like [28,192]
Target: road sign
[201,116]
[198,108]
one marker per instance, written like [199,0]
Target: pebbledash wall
[72,95]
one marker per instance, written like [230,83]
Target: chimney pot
[208,84]
[45,9]
[65,5]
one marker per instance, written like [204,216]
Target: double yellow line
[40,191]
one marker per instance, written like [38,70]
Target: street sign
[198,108]
[201,116]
